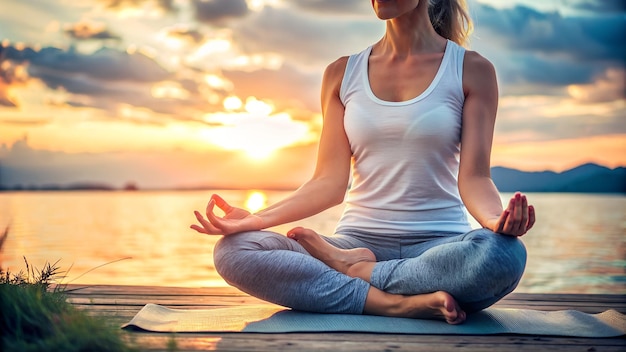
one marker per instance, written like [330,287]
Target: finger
[518,225]
[514,217]
[202,220]
[511,226]
[216,221]
[221,203]
[531,217]
[524,224]
[507,227]
[508,223]
[209,207]
[199,229]
[208,227]
[501,221]
[511,206]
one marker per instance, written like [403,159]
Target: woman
[400,112]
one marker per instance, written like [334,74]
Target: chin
[389,9]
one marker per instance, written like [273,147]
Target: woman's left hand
[516,219]
[234,219]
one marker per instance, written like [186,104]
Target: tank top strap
[354,66]
[458,57]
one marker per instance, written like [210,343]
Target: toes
[457,317]
[452,312]
[293,233]
[460,318]
[300,232]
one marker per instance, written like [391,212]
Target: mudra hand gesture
[516,219]
[234,219]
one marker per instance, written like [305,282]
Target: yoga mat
[269,319]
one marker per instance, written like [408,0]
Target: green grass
[35,317]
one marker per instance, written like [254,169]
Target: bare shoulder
[477,72]
[333,74]
[338,66]
[476,63]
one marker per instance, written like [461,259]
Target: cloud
[536,51]
[545,71]
[25,122]
[5,98]
[103,79]
[303,38]
[216,11]
[609,86]
[277,54]
[105,64]
[11,75]
[584,39]
[23,165]
[600,6]
[166,5]
[89,30]
[184,33]
[539,128]
[343,7]
[287,86]
[544,118]
[592,38]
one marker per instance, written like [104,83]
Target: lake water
[578,244]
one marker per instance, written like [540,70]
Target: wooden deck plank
[118,304]
[355,343]
[209,300]
[104,290]
[372,342]
[231,291]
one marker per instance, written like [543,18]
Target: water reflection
[255,201]
[577,246]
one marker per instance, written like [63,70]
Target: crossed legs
[359,263]
[442,280]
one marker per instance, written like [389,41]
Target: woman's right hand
[234,219]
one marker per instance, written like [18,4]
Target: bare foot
[339,259]
[438,305]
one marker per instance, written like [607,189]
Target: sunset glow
[232,103]
[256,201]
[604,150]
[205,92]
[255,132]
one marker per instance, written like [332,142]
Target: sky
[225,93]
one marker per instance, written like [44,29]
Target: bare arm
[477,190]
[326,188]
[328,185]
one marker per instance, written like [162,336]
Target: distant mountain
[587,178]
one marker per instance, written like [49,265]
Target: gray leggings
[477,268]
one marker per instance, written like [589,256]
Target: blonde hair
[451,20]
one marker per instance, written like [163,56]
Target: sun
[259,153]
[253,128]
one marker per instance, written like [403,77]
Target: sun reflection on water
[255,201]
[575,249]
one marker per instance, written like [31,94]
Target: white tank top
[405,154]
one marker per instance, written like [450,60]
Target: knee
[512,254]
[503,259]
[224,248]
[505,255]
[228,250]
[234,252]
